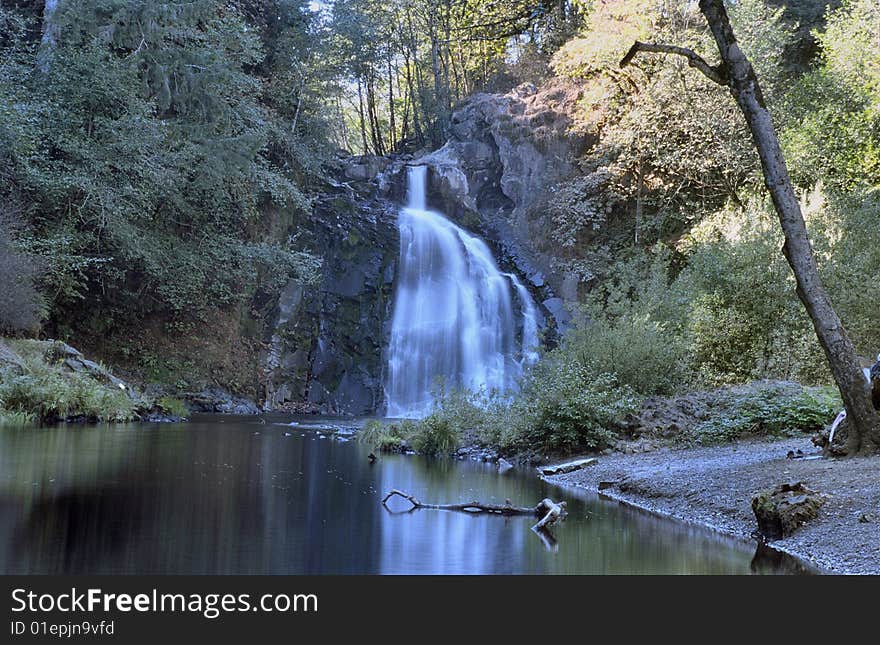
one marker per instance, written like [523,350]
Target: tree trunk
[363,123]
[373,116]
[50,35]
[832,336]
[736,73]
[392,142]
[640,185]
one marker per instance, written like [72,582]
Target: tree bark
[362,116]
[392,134]
[50,35]
[737,74]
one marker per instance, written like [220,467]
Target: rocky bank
[714,487]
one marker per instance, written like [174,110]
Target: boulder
[59,351]
[782,510]
[364,167]
[9,360]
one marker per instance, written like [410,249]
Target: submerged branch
[549,511]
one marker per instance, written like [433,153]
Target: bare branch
[714,73]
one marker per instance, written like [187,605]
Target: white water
[456,322]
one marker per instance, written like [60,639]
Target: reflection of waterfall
[456,319]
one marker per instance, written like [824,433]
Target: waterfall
[456,321]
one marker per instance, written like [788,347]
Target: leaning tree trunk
[49,39]
[736,72]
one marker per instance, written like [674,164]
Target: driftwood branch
[547,510]
[715,73]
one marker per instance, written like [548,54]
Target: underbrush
[41,389]
[765,409]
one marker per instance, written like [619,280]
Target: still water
[227,495]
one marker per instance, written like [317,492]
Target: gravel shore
[714,487]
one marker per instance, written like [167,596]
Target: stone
[9,360]
[325,354]
[504,465]
[59,351]
[364,167]
[94,370]
[557,309]
[782,510]
[216,400]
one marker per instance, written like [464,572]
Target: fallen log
[567,467]
[549,511]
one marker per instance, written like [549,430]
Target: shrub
[172,406]
[562,407]
[382,437]
[15,419]
[435,435]
[47,392]
[769,409]
[637,350]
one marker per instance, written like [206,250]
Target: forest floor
[713,487]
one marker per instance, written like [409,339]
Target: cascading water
[456,319]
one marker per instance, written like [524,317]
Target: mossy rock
[784,509]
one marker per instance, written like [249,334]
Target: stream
[244,495]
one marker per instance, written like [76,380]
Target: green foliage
[48,392]
[51,395]
[560,407]
[172,406]
[146,145]
[846,233]
[435,435]
[766,409]
[832,115]
[15,419]
[384,437]
[667,138]
[563,408]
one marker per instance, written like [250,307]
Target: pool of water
[233,495]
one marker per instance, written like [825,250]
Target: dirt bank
[714,487]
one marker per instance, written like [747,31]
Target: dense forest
[160,164]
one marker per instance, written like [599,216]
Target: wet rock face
[325,354]
[504,154]
[781,511]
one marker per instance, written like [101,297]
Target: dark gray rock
[9,360]
[59,351]
[80,365]
[364,167]
[216,400]
[556,307]
[326,351]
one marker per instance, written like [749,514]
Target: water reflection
[230,495]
